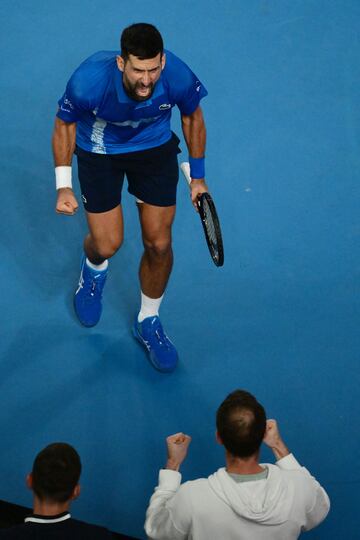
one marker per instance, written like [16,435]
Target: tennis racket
[209,220]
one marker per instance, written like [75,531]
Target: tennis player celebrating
[115,116]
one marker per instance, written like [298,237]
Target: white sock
[149,307]
[97,267]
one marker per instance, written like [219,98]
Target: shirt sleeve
[320,505]
[185,88]
[74,102]
[190,100]
[168,514]
[68,110]
[288,463]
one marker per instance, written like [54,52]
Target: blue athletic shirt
[109,121]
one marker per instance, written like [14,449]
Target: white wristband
[63,177]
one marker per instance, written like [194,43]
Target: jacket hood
[265,501]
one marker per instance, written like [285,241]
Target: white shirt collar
[36,519]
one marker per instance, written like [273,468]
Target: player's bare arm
[63,143]
[193,126]
[177,447]
[274,441]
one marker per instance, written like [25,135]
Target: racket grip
[185,168]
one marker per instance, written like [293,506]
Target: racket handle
[185,168]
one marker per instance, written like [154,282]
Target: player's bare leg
[155,267]
[104,239]
[106,233]
[156,262]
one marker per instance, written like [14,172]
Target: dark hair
[56,472]
[141,40]
[241,423]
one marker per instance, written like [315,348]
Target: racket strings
[212,228]
[209,223]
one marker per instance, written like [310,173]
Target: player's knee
[108,248]
[159,247]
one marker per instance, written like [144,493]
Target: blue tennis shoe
[161,351]
[87,299]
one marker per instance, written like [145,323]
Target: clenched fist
[177,447]
[66,202]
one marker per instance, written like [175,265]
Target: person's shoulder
[95,66]
[98,60]
[303,484]
[93,74]
[177,75]
[174,63]
[89,530]
[14,532]
[72,528]
[191,494]
[194,486]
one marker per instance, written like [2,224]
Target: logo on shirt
[164,106]
[198,86]
[68,102]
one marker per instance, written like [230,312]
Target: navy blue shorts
[152,176]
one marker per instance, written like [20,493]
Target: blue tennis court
[280,319]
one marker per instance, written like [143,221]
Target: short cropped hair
[56,471]
[141,40]
[241,424]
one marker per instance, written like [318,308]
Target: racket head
[211,226]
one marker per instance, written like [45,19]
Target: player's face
[140,76]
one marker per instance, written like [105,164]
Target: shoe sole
[138,337]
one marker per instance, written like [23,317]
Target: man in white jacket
[245,500]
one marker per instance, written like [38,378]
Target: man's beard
[131,89]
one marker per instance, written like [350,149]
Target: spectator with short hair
[246,500]
[54,481]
